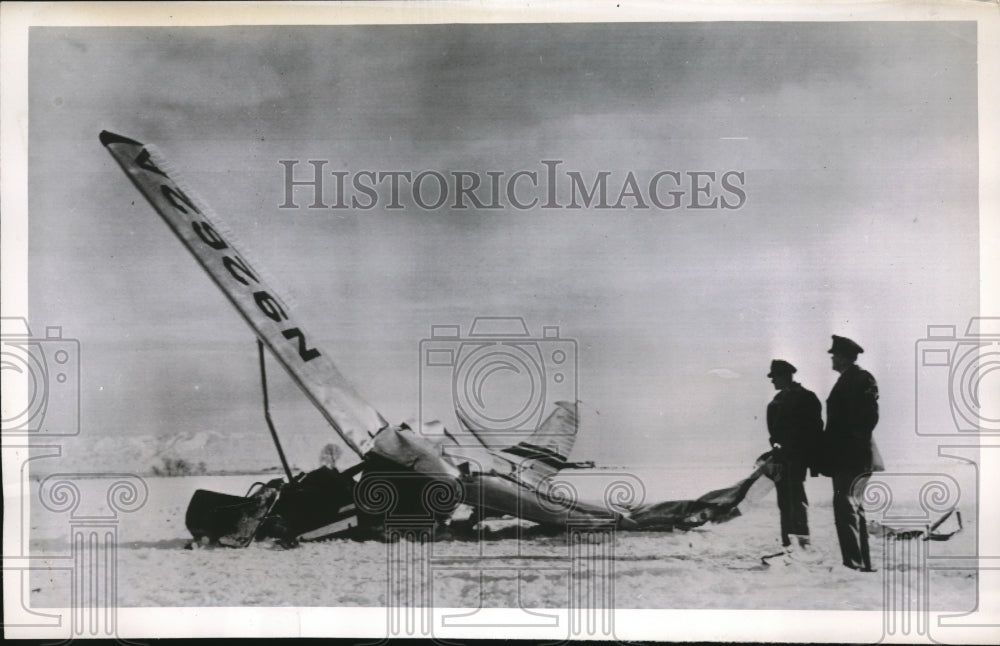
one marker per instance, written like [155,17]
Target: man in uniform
[850,452]
[794,423]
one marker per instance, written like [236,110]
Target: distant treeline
[179,467]
[170,468]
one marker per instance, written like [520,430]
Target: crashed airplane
[383,471]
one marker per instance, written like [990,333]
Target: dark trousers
[792,502]
[849,515]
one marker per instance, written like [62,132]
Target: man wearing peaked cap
[780,367]
[845,347]
[794,424]
[850,452]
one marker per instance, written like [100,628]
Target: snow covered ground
[716,566]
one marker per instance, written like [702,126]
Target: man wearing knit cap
[850,452]
[794,423]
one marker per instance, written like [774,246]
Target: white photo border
[715,625]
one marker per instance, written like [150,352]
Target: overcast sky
[858,142]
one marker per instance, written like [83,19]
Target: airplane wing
[353,419]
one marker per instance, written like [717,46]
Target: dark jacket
[851,416]
[794,420]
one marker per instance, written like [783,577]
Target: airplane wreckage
[391,475]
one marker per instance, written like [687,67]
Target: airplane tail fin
[557,432]
[548,448]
